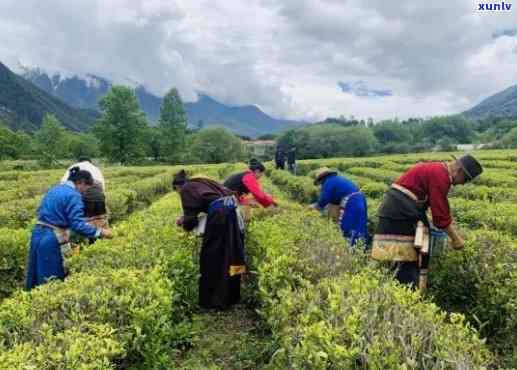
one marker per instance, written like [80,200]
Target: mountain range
[84,93]
[23,105]
[502,104]
[73,99]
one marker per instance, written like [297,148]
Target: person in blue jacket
[60,211]
[343,193]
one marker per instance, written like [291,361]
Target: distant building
[468,147]
[263,149]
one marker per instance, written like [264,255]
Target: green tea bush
[365,321]
[18,213]
[480,281]
[298,188]
[377,174]
[13,254]
[296,246]
[476,214]
[139,306]
[146,240]
[91,346]
[317,296]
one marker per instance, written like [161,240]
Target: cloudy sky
[300,59]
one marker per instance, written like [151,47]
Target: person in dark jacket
[280,158]
[60,211]
[291,159]
[402,234]
[222,259]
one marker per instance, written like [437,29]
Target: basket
[438,243]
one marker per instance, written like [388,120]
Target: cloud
[285,56]
[511,32]
[360,88]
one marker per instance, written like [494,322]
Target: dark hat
[322,173]
[255,164]
[180,178]
[471,167]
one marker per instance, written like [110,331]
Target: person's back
[235,184]
[197,195]
[346,204]
[54,202]
[338,187]
[280,158]
[422,176]
[94,202]
[430,182]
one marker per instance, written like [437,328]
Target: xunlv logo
[495,6]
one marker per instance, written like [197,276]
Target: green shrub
[326,309]
[480,281]
[90,346]
[148,239]
[365,321]
[14,246]
[301,189]
[140,306]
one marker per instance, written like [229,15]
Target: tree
[446,144]
[456,128]
[390,132]
[83,145]
[358,141]
[216,145]
[244,137]
[173,126]
[153,139]
[13,144]
[330,140]
[121,128]
[510,139]
[51,141]
[267,137]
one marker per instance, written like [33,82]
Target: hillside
[502,104]
[244,120]
[85,92]
[23,105]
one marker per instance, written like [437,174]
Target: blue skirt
[353,218]
[45,259]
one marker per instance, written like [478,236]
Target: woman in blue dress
[344,194]
[60,211]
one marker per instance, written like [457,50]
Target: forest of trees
[123,135]
[349,137]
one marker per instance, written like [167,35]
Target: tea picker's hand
[107,233]
[458,243]
[179,221]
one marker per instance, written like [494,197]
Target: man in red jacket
[426,185]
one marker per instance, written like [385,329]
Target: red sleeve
[250,181]
[439,203]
